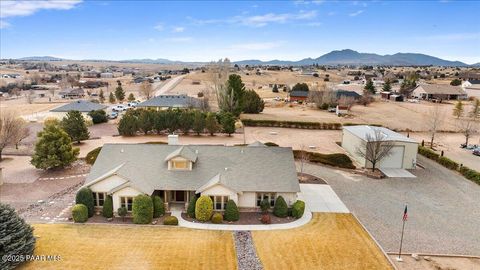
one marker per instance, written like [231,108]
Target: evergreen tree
[275,89]
[191,207]
[456,82]
[387,87]
[475,113]
[186,121]
[252,102]
[111,98]
[300,87]
[101,96]
[74,124]
[211,123]
[235,90]
[458,110]
[85,197]
[53,148]
[228,123]
[370,87]
[107,209]
[119,93]
[198,122]
[131,97]
[146,120]
[128,125]
[16,237]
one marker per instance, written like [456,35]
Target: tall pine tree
[387,87]
[119,93]
[370,87]
[74,124]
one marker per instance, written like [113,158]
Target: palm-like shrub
[203,208]
[85,196]
[80,213]
[142,209]
[16,236]
[231,211]
[158,207]
[281,208]
[107,210]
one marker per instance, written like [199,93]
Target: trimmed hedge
[448,163]
[336,160]
[470,174]
[80,213]
[191,207]
[170,220]
[107,210]
[429,153]
[158,207]
[291,124]
[298,208]
[217,218]
[203,208]
[231,211]
[85,196]
[281,208]
[92,155]
[142,209]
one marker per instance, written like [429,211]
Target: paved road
[169,85]
[444,208]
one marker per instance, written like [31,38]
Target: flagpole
[399,258]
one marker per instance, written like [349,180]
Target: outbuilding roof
[171,101]
[255,169]
[363,131]
[81,106]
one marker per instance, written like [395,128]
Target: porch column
[165,196]
[188,199]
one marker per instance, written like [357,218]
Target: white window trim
[124,200]
[96,198]
[224,200]
[267,194]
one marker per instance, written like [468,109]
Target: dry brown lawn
[329,241]
[132,247]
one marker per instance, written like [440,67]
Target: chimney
[172,139]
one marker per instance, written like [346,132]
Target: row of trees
[173,120]
[13,130]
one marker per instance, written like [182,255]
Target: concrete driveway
[321,198]
[391,172]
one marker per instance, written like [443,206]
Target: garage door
[395,159]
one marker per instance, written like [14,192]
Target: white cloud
[4,24]
[256,46]
[263,20]
[178,39]
[25,8]
[356,13]
[159,27]
[178,29]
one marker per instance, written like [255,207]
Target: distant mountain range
[340,57]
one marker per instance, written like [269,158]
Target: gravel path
[443,208]
[246,254]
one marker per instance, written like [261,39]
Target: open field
[132,247]
[329,241]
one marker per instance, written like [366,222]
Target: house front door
[179,196]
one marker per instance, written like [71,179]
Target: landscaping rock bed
[247,258]
[248,218]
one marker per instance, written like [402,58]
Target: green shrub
[142,209]
[80,213]
[336,160]
[470,174]
[265,205]
[448,163]
[203,208]
[107,210]
[298,208]
[429,153]
[281,208]
[122,212]
[158,207]
[99,116]
[231,211]
[170,220]
[270,144]
[85,196]
[291,124]
[217,218]
[92,155]
[191,207]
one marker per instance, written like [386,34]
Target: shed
[299,96]
[402,156]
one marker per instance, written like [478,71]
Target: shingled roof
[81,106]
[171,101]
[442,89]
[255,169]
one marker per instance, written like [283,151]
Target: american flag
[405,214]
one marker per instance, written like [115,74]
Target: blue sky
[205,31]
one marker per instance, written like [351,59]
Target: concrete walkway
[307,216]
[321,198]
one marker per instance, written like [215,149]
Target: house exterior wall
[61,115]
[290,197]
[220,190]
[247,200]
[125,192]
[350,143]
[292,99]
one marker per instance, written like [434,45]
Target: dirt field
[436,263]
[329,241]
[132,247]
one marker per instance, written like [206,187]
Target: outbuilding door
[395,159]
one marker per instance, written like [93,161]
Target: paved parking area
[444,208]
[321,198]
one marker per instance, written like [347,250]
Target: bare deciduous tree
[468,127]
[219,75]
[146,89]
[346,101]
[434,120]
[375,147]
[12,130]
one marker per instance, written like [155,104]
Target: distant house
[163,102]
[472,88]
[72,93]
[341,110]
[299,96]
[439,91]
[106,75]
[90,74]
[82,106]
[346,93]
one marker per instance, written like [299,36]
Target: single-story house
[244,174]
[82,106]
[472,88]
[300,96]
[402,156]
[347,93]
[163,102]
[72,93]
[439,91]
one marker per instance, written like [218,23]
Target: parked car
[132,104]
[119,108]
[112,115]
[476,151]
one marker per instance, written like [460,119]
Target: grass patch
[329,241]
[132,247]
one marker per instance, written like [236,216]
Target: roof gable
[184,152]
[81,106]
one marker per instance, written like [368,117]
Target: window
[219,202]
[99,198]
[269,196]
[180,165]
[126,202]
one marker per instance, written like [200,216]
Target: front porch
[175,200]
